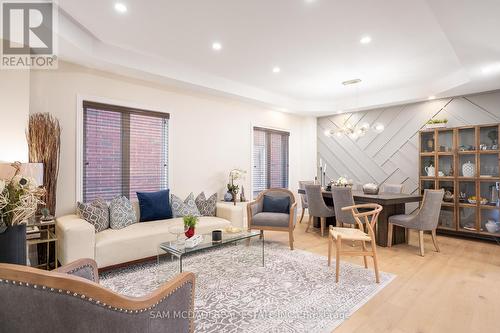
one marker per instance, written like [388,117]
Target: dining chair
[426,219]
[392,188]
[317,206]
[342,197]
[366,214]
[303,197]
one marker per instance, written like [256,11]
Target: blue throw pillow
[154,205]
[276,204]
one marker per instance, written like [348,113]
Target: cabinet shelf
[448,150]
[488,151]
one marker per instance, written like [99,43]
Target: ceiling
[419,48]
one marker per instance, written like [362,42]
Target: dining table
[392,204]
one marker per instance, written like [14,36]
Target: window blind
[270,159]
[124,150]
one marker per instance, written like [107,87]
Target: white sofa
[77,238]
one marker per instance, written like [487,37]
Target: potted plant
[19,200]
[190,222]
[436,123]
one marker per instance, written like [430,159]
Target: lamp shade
[32,170]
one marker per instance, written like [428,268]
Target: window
[270,159]
[124,150]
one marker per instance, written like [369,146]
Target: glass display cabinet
[464,162]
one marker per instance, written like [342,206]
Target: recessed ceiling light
[365,40]
[276,69]
[120,7]
[430,98]
[353,81]
[216,46]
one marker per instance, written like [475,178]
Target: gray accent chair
[392,188]
[426,219]
[317,207]
[303,197]
[259,220]
[70,299]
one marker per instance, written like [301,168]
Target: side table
[47,240]
[236,214]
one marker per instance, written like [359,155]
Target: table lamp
[32,170]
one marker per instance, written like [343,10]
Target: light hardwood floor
[457,290]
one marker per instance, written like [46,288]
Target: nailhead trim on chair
[98,302]
[81,267]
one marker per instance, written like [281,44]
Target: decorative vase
[468,169]
[492,226]
[448,196]
[242,194]
[370,188]
[190,232]
[228,197]
[430,145]
[13,245]
[430,170]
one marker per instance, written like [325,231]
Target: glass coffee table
[179,250]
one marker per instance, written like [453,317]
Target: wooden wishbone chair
[337,234]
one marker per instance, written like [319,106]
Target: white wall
[209,135]
[14,113]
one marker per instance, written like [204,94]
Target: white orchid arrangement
[235,175]
[19,198]
[341,181]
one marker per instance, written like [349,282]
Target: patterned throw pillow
[206,206]
[95,213]
[121,213]
[187,207]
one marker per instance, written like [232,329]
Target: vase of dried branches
[44,142]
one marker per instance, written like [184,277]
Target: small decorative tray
[232,230]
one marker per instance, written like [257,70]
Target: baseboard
[128,263]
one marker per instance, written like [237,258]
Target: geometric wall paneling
[392,155]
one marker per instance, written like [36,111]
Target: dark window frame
[285,151]
[125,140]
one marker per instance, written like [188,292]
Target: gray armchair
[260,220]
[426,219]
[71,300]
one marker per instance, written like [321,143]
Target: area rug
[294,292]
